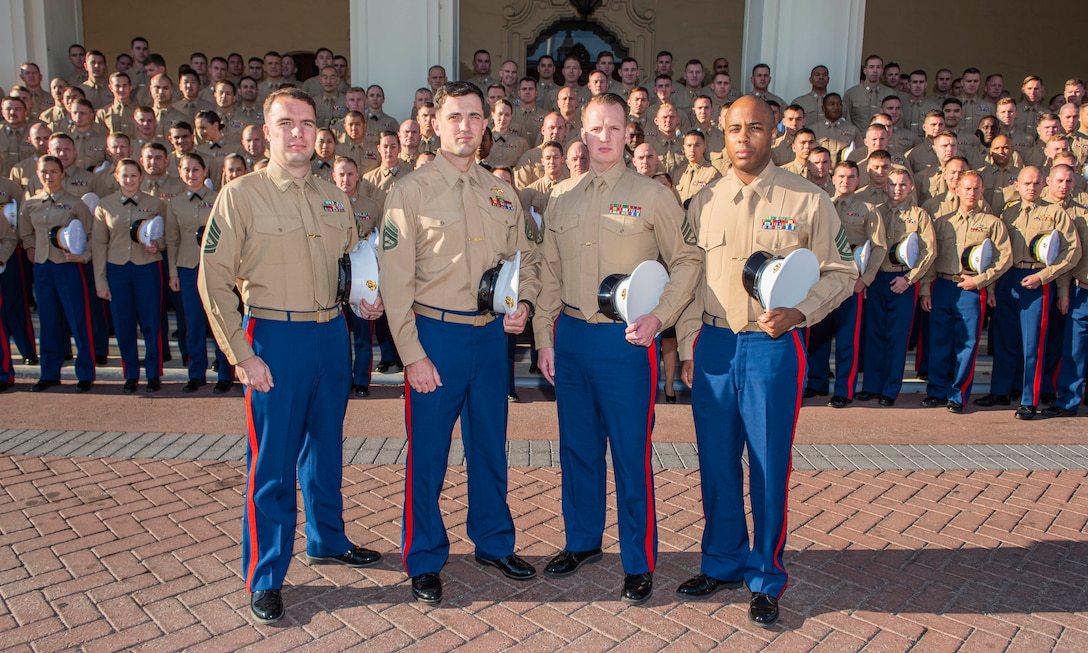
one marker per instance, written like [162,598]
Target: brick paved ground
[115,554]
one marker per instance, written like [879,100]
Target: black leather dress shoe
[865,396]
[886,401]
[763,610]
[130,386]
[84,386]
[360,390]
[266,606]
[4,385]
[1047,398]
[637,588]
[101,360]
[193,384]
[30,360]
[567,562]
[511,566]
[215,365]
[992,400]
[42,385]
[222,387]
[427,588]
[954,406]
[933,402]
[670,399]
[154,385]
[1057,411]
[838,401]
[810,393]
[513,397]
[355,557]
[922,376]
[1026,412]
[703,586]
[384,367]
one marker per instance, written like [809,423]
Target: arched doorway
[583,38]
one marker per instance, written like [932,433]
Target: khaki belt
[721,323]
[320,316]
[596,318]
[451,317]
[895,268]
[1083,285]
[1028,266]
[951,277]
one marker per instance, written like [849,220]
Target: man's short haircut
[182,125]
[556,144]
[952,100]
[882,155]
[458,89]
[135,39]
[288,93]
[606,99]
[918,72]
[696,132]
[971,71]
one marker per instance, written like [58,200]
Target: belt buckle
[479,320]
[324,315]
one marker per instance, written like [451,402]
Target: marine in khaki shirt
[695,173]
[443,227]
[901,216]
[383,178]
[863,100]
[367,212]
[507,147]
[968,226]
[1060,190]
[186,215]
[860,221]
[355,145]
[111,240]
[534,197]
[529,168]
[1026,219]
[835,132]
[40,213]
[635,219]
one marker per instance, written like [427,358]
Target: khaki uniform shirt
[111,237]
[900,221]
[367,212]
[9,240]
[167,116]
[670,151]
[1024,222]
[959,230]
[14,147]
[41,213]
[782,150]
[507,149]
[797,167]
[56,117]
[1027,115]
[430,144]
[165,188]
[235,121]
[901,140]
[599,225]
[690,179]
[90,146]
[922,156]
[364,156]
[118,118]
[322,169]
[314,88]
[10,191]
[871,194]
[185,216]
[529,168]
[192,107]
[330,108]
[995,180]
[527,122]
[278,239]
[914,114]
[778,213]
[861,222]
[1079,272]
[380,181]
[77,182]
[442,229]
[836,136]
[376,123]
[1079,146]
[99,95]
[974,110]
[1021,139]
[861,102]
[813,104]
[536,195]
[767,97]
[547,93]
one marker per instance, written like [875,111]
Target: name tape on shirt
[625,209]
[777,223]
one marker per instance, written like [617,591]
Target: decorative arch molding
[630,20]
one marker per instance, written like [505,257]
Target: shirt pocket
[566,238]
[717,254]
[280,239]
[624,242]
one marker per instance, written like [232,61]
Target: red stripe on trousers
[5,350]
[87,316]
[251,510]
[1040,352]
[796,411]
[857,347]
[651,353]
